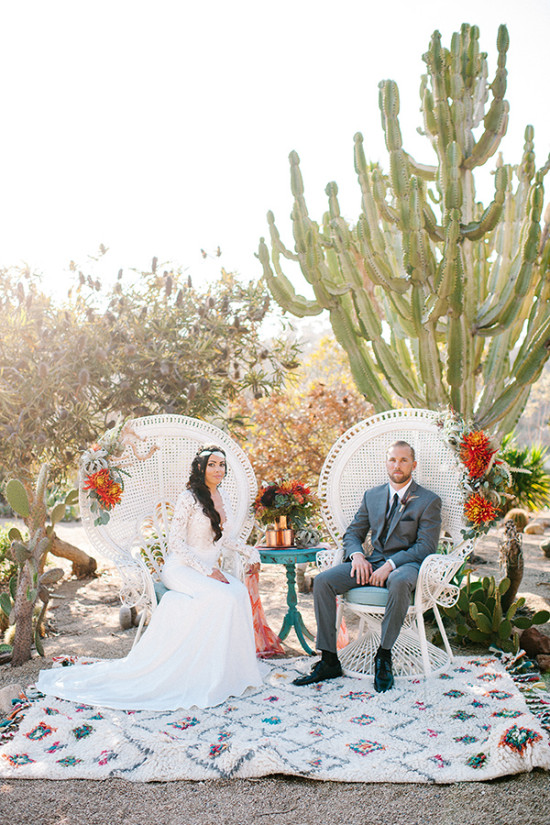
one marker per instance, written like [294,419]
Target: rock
[545,547]
[534,528]
[544,521]
[7,694]
[543,661]
[126,617]
[521,517]
[533,642]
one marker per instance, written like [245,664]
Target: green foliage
[155,344]
[531,485]
[435,298]
[479,617]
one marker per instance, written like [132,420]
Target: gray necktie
[389,517]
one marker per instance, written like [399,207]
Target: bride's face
[215,470]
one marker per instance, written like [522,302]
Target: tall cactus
[434,297]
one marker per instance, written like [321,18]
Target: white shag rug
[470,723]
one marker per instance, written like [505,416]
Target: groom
[404,520]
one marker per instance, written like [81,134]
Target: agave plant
[530,482]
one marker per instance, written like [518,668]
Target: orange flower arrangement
[484,476]
[285,498]
[476,453]
[109,492]
[103,481]
[479,511]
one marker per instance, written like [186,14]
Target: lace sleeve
[230,544]
[248,554]
[178,538]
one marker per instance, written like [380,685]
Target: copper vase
[285,534]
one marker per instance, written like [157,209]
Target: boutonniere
[405,501]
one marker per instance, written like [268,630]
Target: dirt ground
[84,620]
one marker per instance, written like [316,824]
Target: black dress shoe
[383,675]
[320,672]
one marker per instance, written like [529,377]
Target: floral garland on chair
[485,477]
[103,480]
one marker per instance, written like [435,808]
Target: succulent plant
[479,616]
[30,583]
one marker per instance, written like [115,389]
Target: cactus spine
[435,298]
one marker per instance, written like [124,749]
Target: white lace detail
[191,537]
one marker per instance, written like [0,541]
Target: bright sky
[162,128]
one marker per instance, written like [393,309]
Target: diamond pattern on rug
[470,723]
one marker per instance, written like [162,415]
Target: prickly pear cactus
[436,299]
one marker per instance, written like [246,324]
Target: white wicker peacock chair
[158,451]
[356,463]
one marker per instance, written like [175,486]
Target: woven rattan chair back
[357,462]
[158,453]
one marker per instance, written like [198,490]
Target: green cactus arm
[496,369]
[509,421]
[434,231]
[420,257]
[436,60]
[491,216]
[361,363]
[496,120]
[283,291]
[386,212]
[277,246]
[525,374]
[421,170]
[394,374]
[510,304]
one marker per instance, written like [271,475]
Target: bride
[199,646]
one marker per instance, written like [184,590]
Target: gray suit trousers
[337,580]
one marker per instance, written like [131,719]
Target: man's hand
[378,577]
[218,575]
[360,568]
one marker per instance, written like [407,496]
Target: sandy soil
[84,620]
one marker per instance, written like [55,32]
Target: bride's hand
[253,568]
[218,575]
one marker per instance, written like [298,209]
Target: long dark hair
[200,490]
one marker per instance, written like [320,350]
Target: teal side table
[290,557]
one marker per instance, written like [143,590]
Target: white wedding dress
[199,646]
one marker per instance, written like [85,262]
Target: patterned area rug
[469,723]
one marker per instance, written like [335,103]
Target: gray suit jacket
[413,532]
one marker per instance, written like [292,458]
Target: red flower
[478,510]
[476,453]
[108,491]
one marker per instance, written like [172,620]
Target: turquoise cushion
[373,596]
[160,590]
[376,596]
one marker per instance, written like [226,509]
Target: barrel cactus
[436,298]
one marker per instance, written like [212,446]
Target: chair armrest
[232,563]
[328,558]
[434,579]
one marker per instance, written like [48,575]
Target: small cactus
[29,585]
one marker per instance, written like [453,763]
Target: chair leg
[423,643]
[339,613]
[442,632]
[140,627]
